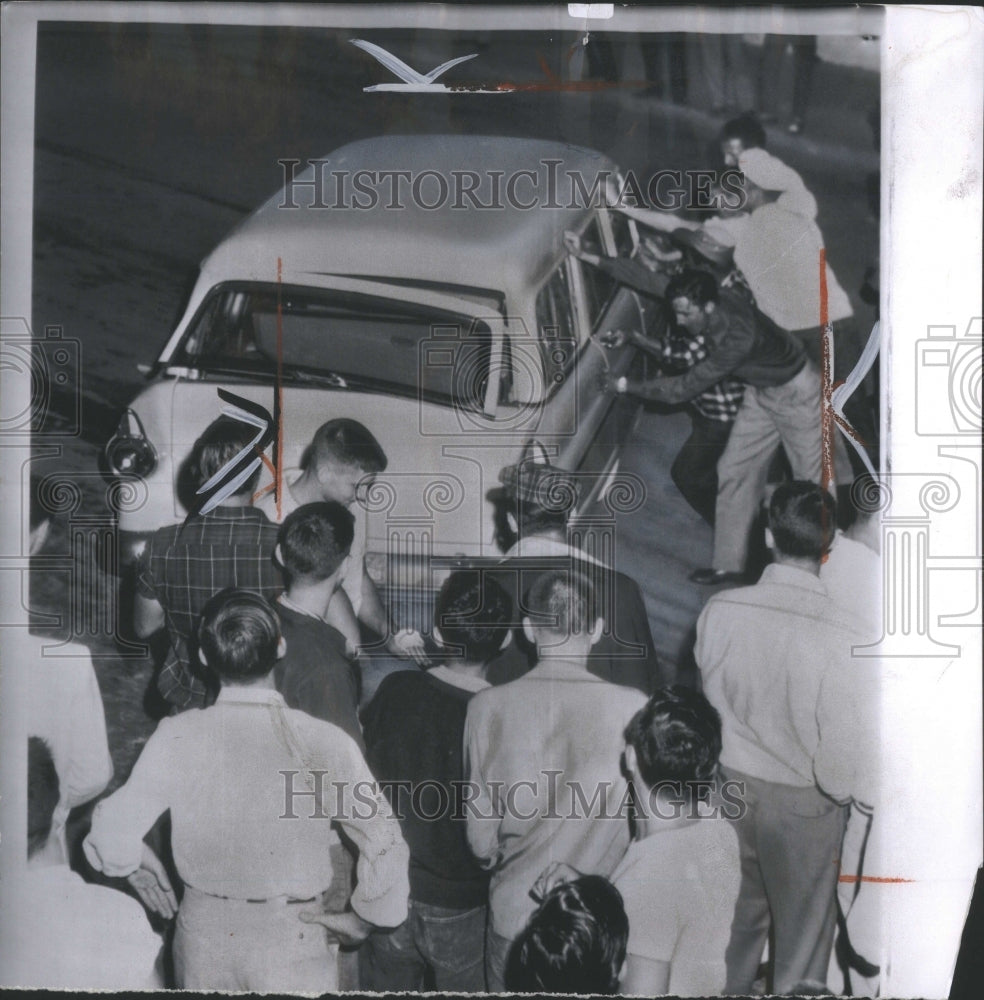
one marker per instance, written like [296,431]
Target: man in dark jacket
[781,405]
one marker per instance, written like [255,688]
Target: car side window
[599,287]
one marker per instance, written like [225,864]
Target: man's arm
[405,643]
[730,337]
[483,814]
[656,218]
[115,842]
[382,872]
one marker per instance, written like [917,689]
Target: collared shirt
[185,564]
[65,708]
[681,351]
[742,343]
[72,935]
[355,570]
[776,662]
[543,753]
[248,818]
[777,248]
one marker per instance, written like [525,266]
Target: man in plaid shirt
[713,411]
[185,564]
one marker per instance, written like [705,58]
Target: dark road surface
[149,147]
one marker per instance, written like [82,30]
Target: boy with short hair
[680,876]
[250,824]
[414,728]
[315,675]
[342,459]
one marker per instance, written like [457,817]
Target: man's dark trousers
[694,470]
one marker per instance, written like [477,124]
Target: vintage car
[444,313]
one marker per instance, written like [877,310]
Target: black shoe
[712,577]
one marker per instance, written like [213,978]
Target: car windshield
[339,338]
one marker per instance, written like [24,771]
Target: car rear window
[327,335]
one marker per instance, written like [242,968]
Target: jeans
[434,941]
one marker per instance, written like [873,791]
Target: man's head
[675,737]
[739,134]
[342,455]
[802,521]
[471,616]
[42,794]
[239,636]
[218,445]
[693,297]
[574,943]
[563,617]
[314,541]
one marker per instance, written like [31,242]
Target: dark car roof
[504,248]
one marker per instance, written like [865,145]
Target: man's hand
[572,242]
[613,339]
[342,928]
[153,886]
[408,644]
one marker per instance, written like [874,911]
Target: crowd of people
[518,801]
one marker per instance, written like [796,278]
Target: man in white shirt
[542,756]
[252,788]
[69,934]
[798,725]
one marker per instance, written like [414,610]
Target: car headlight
[128,451]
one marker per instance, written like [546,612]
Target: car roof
[506,249]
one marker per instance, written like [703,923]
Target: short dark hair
[219,444]
[575,942]
[803,519]
[565,600]
[239,635]
[346,442]
[314,539]
[747,128]
[676,736]
[473,611]
[43,792]
[698,286]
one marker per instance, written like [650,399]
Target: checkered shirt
[184,565]
[681,351]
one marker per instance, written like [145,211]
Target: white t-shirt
[778,251]
[680,887]
[355,572]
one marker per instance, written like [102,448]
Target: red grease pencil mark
[878,879]
[279,414]
[826,388]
